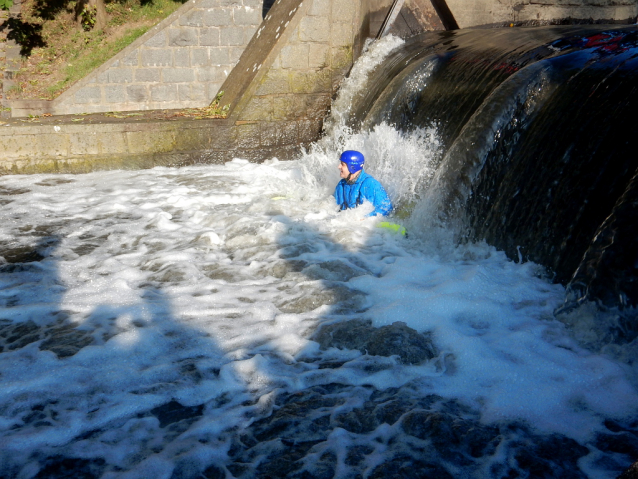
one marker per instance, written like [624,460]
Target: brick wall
[180,63]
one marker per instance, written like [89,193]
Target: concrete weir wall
[79,148]
[470,13]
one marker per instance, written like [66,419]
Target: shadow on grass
[27,35]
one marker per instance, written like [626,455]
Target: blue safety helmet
[354,160]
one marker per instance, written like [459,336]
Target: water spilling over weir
[538,135]
[226,321]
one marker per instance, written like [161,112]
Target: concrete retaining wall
[296,61]
[279,93]
[79,148]
[470,13]
[179,63]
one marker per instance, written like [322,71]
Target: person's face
[343,169]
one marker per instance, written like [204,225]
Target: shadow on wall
[266,7]
[445,14]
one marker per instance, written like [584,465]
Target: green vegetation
[214,110]
[60,42]
[96,50]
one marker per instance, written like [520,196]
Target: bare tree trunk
[100,13]
[91,14]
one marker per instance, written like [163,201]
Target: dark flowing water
[539,132]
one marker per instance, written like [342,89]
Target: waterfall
[538,149]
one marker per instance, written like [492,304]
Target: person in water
[356,186]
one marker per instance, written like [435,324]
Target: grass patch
[70,51]
[96,51]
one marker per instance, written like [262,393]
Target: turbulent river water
[226,321]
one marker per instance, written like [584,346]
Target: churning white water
[204,285]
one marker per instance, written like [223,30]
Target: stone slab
[61,145]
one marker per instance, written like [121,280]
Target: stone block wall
[279,91]
[293,67]
[180,63]
[307,70]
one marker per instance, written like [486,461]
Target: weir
[224,320]
[546,118]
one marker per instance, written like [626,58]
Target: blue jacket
[364,188]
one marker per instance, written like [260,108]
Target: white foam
[160,288]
